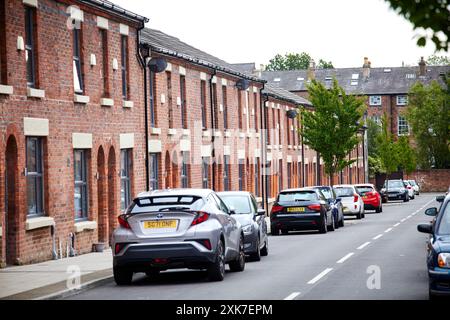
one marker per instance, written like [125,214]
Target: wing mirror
[440,198]
[338,200]
[425,228]
[232,210]
[261,212]
[432,212]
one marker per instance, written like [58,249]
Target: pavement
[379,257]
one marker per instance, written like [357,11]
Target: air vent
[387,70]
[277,79]
[354,82]
[328,78]
[300,79]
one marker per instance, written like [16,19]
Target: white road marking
[397,224]
[363,245]
[320,275]
[292,296]
[377,237]
[409,216]
[388,230]
[342,260]
[403,220]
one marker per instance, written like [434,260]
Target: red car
[370,197]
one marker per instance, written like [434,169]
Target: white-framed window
[375,100]
[81,191]
[403,127]
[35,177]
[402,100]
[125,178]
[377,119]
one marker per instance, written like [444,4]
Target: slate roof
[395,80]
[169,45]
[115,9]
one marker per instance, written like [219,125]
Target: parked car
[252,220]
[351,201]
[410,189]
[336,204]
[177,228]
[301,209]
[415,186]
[394,190]
[370,197]
[438,250]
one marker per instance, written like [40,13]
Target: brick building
[71,125]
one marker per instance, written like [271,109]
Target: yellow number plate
[296,209]
[160,224]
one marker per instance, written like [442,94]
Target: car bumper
[351,210]
[297,221]
[395,196]
[175,255]
[250,242]
[373,205]
[439,281]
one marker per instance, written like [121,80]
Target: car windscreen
[412,182]
[444,224]
[161,203]
[240,203]
[344,192]
[364,189]
[326,192]
[395,184]
[292,196]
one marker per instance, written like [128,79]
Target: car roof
[364,185]
[298,189]
[343,185]
[329,187]
[176,192]
[234,193]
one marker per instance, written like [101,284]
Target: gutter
[303,151]
[213,130]
[263,123]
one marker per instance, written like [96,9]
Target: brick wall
[436,180]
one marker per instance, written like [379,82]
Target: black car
[301,209]
[336,204]
[394,190]
[438,250]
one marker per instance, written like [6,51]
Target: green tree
[386,149]
[294,61]
[432,15]
[406,155]
[331,129]
[373,131]
[435,60]
[428,115]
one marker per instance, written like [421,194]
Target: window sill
[249,134]
[85,225]
[155,131]
[290,147]
[35,93]
[186,132]
[7,90]
[106,102]
[217,134]
[39,222]
[1,232]
[128,104]
[172,132]
[81,99]
[242,135]
[227,133]
[206,133]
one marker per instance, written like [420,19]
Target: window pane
[31,195]
[31,155]
[76,77]
[78,202]
[78,166]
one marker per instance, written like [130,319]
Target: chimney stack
[312,70]
[366,68]
[422,67]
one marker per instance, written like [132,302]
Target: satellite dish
[291,114]
[157,65]
[243,84]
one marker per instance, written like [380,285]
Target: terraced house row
[96,108]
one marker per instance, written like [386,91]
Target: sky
[343,32]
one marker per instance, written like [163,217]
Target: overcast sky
[343,32]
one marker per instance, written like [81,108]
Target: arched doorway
[12,218]
[112,191]
[174,172]
[102,197]
[168,168]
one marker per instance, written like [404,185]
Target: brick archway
[12,212]
[112,191]
[102,197]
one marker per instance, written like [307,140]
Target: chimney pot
[366,68]
[422,67]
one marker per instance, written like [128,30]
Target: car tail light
[355,198]
[118,247]
[409,187]
[206,243]
[276,209]
[201,217]
[314,207]
[123,221]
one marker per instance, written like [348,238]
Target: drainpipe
[213,129]
[54,252]
[263,155]
[143,64]
[303,152]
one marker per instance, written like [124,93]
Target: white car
[409,187]
[352,202]
[415,186]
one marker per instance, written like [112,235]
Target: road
[384,249]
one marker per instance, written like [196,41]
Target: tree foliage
[428,115]
[405,155]
[294,61]
[435,60]
[427,14]
[332,128]
[386,148]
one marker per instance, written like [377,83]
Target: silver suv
[177,228]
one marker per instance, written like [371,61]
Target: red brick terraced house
[71,125]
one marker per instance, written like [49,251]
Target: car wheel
[265,249]
[332,225]
[342,222]
[152,272]
[406,199]
[323,227]
[383,200]
[238,265]
[336,223]
[256,256]
[274,231]
[284,231]
[359,215]
[122,277]
[216,271]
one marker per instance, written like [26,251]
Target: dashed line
[403,220]
[378,236]
[397,224]
[388,230]
[320,275]
[343,259]
[363,245]
[292,296]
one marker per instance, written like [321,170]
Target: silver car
[252,219]
[177,228]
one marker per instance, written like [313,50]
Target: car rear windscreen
[151,204]
[326,192]
[364,189]
[241,204]
[395,184]
[293,196]
[344,192]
